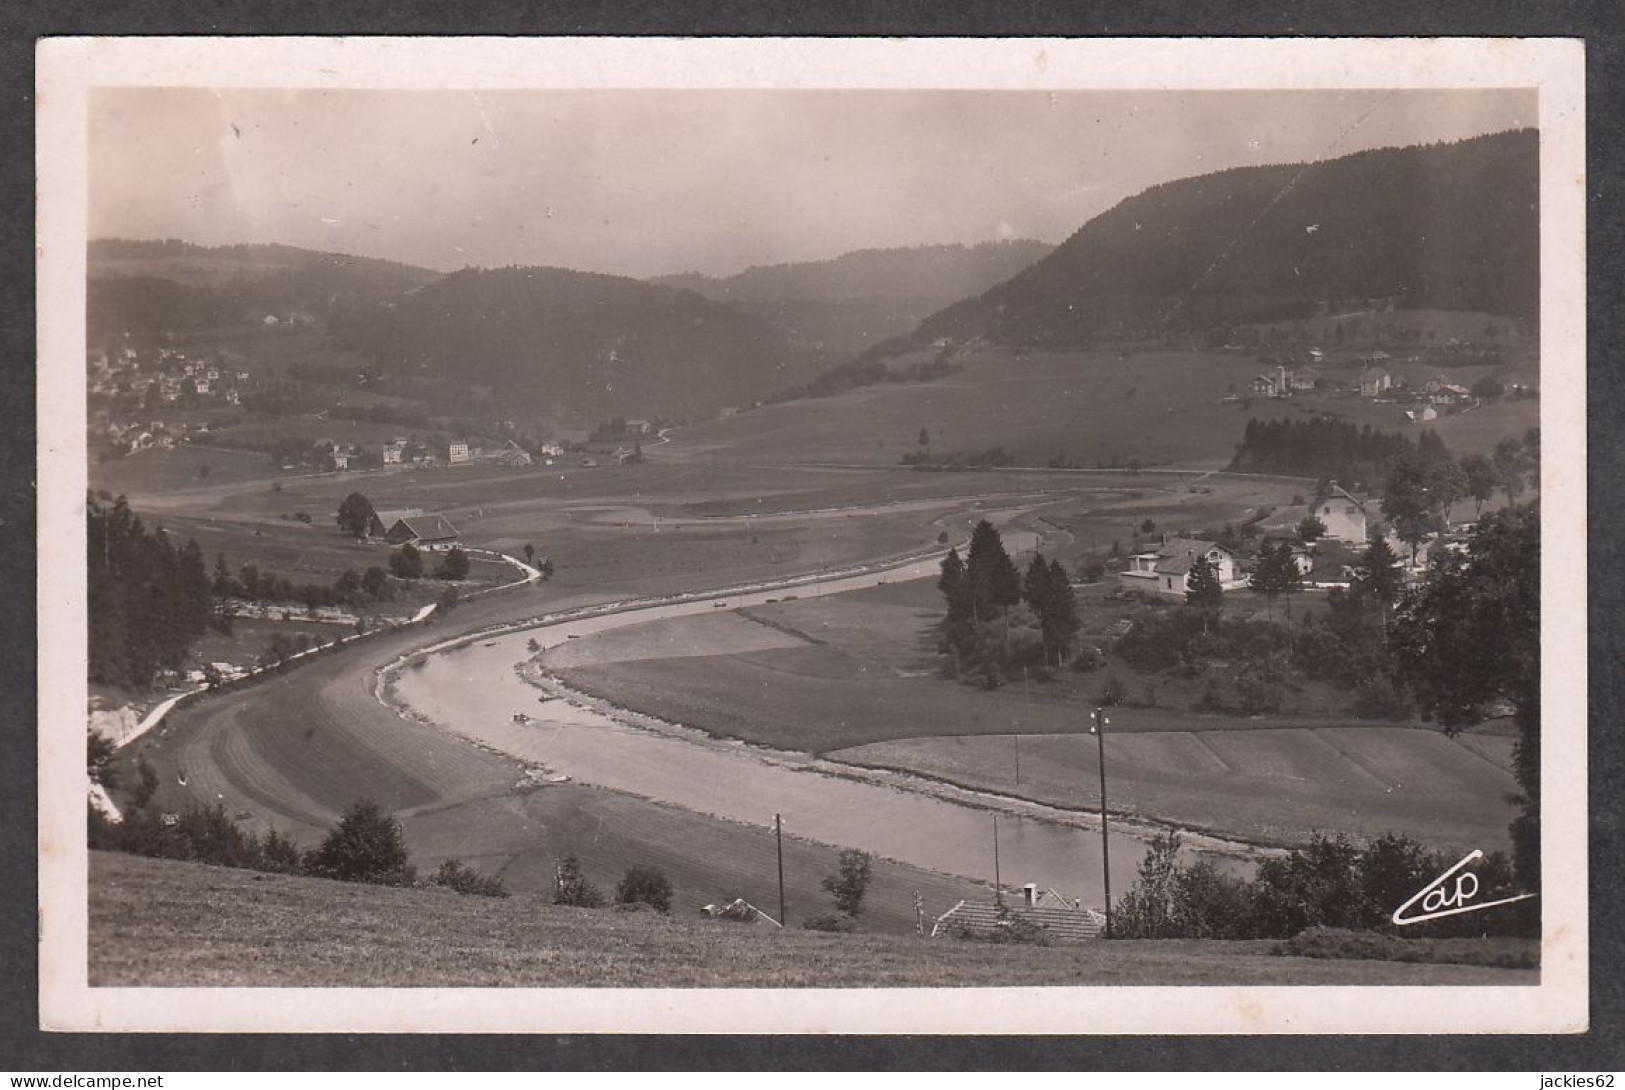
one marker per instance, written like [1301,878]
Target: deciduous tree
[850,883]
[1469,637]
[355,512]
[643,884]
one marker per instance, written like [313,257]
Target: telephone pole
[1098,722]
[778,835]
[998,884]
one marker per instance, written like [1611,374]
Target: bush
[1332,942]
[454,565]
[365,846]
[1010,930]
[645,885]
[838,922]
[454,875]
[849,885]
[1330,883]
[570,886]
[408,563]
[1377,698]
[1341,943]
[1112,692]
[1088,659]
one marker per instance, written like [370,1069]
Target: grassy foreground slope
[159,923]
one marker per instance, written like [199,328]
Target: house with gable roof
[1167,569]
[425,531]
[1064,922]
[1343,514]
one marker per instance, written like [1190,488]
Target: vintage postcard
[862,536]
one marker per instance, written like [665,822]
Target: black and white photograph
[879,536]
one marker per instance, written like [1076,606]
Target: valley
[627,571]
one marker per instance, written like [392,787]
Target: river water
[476,690]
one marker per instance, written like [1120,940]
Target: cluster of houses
[1165,568]
[164,375]
[1375,382]
[1282,380]
[402,450]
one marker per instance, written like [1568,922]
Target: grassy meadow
[861,684]
[169,924]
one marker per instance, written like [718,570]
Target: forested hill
[849,303]
[594,346]
[1448,226]
[152,286]
[943,272]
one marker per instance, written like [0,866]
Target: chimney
[1030,894]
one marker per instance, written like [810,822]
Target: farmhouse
[1167,570]
[1284,382]
[513,456]
[1343,515]
[457,453]
[1375,381]
[424,531]
[1063,922]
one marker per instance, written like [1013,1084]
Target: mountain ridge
[1447,226]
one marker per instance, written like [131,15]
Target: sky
[645,183]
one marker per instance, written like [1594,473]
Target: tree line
[148,601]
[366,844]
[997,620]
[1330,448]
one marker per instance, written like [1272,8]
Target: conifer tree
[1060,615]
[1202,590]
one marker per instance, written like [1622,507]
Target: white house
[457,453]
[1167,569]
[1375,381]
[1422,415]
[1343,515]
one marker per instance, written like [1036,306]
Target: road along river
[476,689]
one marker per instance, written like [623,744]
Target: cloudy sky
[642,183]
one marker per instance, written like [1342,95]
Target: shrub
[454,875]
[1010,930]
[1088,658]
[408,563]
[365,846]
[1378,698]
[838,922]
[570,886]
[1337,942]
[1112,691]
[646,885]
[851,882]
[454,565]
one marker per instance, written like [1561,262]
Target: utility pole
[778,835]
[998,883]
[1097,726]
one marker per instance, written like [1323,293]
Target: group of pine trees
[148,600]
[1327,447]
[997,619]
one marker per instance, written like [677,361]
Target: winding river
[476,689]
